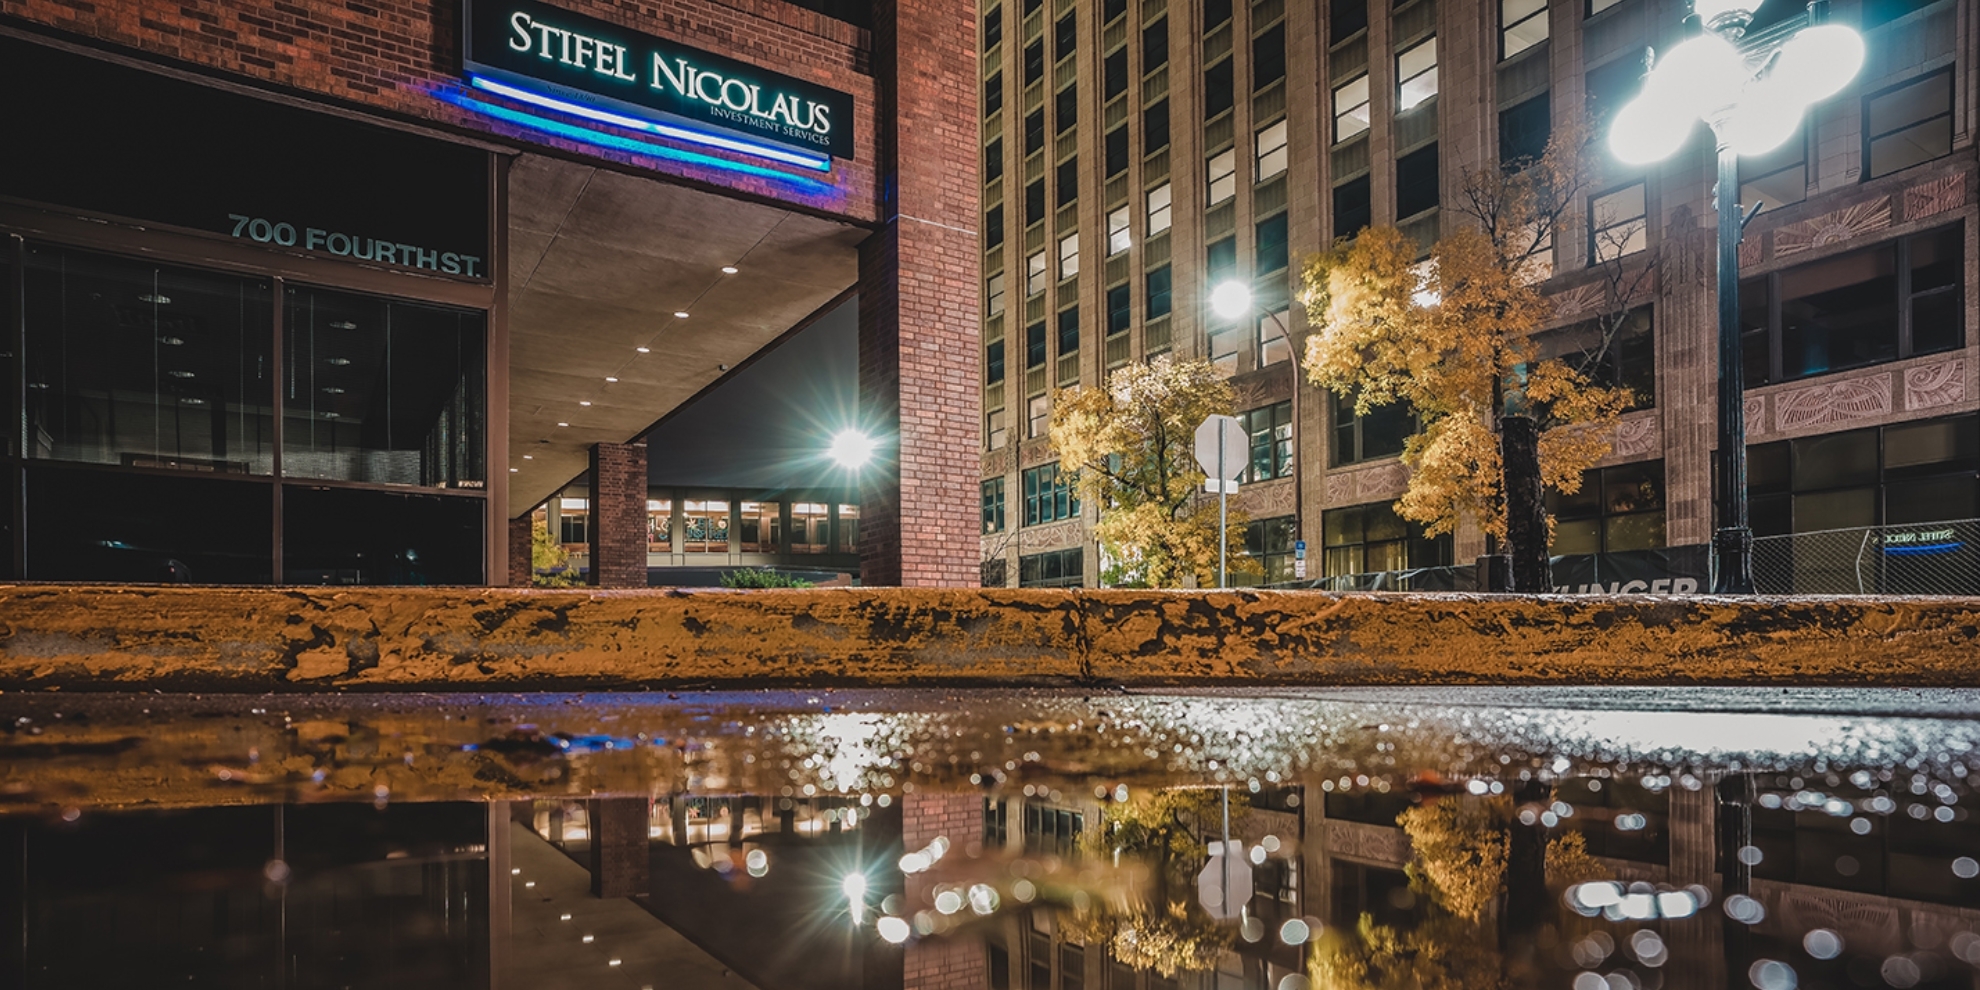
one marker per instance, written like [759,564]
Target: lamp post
[1231,300]
[1753,96]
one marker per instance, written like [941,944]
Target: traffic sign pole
[1223,517]
[1216,437]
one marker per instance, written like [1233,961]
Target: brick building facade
[1139,153]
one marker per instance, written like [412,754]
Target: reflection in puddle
[1041,841]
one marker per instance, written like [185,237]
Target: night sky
[768,426]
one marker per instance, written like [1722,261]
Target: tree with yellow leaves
[1130,445]
[1452,338]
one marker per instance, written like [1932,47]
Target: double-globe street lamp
[1753,94]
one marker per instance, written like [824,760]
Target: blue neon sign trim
[519,93]
[619,143]
[1923,548]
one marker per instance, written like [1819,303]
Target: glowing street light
[1753,96]
[851,448]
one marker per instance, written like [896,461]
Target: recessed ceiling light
[180,374]
[609,378]
[529,457]
[724,367]
[644,350]
[343,325]
[584,402]
[331,415]
[171,341]
[514,470]
[190,401]
[338,361]
[563,424]
[680,314]
[332,390]
[728,269]
[155,300]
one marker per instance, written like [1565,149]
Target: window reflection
[706,525]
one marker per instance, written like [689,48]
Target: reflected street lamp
[1231,300]
[1753,95]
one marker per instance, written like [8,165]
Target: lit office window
[1223,176]
[1040,412]
[1272,344]
[811,527]
[1522,24]
[1417,68]
[1271,431]
[1068,256]
[1158,209]
[993,505]
[848,528]
[574,521]
[1351,108]
[762,524]
[1271,151]
[1036,278]
[996,429]
[993,294]
[1224,350]
[660,525]
[707,525]
[1617,224]
[1117,231]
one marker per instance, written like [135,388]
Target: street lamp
[1753,96]
[1231,300]
[851,448]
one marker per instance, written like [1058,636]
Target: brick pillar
[519,556]
[950,963]
[919,347]
[619,854]
[618,515]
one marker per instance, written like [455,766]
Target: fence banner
[1685,570]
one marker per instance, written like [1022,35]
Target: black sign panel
[109,139]
[593,63]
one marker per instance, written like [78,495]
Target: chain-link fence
[1938,558]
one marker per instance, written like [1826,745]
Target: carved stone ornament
[1637,436]
[1935,386]
[1833,228]
[1935,197]
[1833,402]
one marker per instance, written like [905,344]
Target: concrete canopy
[599,263]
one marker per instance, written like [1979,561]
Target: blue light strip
[816,162]
[616,142]
[1923,548]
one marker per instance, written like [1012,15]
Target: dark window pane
[1932,447]
[345,536]
[1836,460]
[1345,19]
[1117,151]
[1034,61]
[1034,202]
[993,226]
[1158,292]
[1155,127]
[1068,181]
[993,160]
[1222,257]
[1938,310]
[1767,468]
[1611,85]
[993,28]
[101,525]
[1118,311]
[149,366]
[1416,182]
[1352,208]
[1840,313]
[1931,500]
[1219,91]
[1155,46]
[1272,253]
[1524,131]
[1065,109]
[1112,9]
[1910,124]
[1065,35]
[1068,331]
[1384,429]
[993,94]
[1114,74]
[1215,12]
[1268,57]
[1034,131]
[1034,346]
[1755,340]
[993,363]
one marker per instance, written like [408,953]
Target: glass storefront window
[147,366]
[355,536]
[761,526]
[659,525]
[848,528]
[811,527]
[574,521]
[382,391]
[707,524]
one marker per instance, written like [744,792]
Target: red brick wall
[618,515]
[620,859]
[401,56]
[918,301]
[956,962]
[519,555]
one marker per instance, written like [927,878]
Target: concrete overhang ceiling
[599,263]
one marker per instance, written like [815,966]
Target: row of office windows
[724,526]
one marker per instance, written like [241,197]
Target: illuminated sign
[552,58]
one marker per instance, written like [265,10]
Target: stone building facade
[1139,152]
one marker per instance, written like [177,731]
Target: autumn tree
[1130,446]
[1453,338]
[549,564]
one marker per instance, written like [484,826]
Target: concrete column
[919,335]
[519,551]
[619,855]
[501,888]
[618,515]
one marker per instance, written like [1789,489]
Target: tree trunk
[1526,507]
